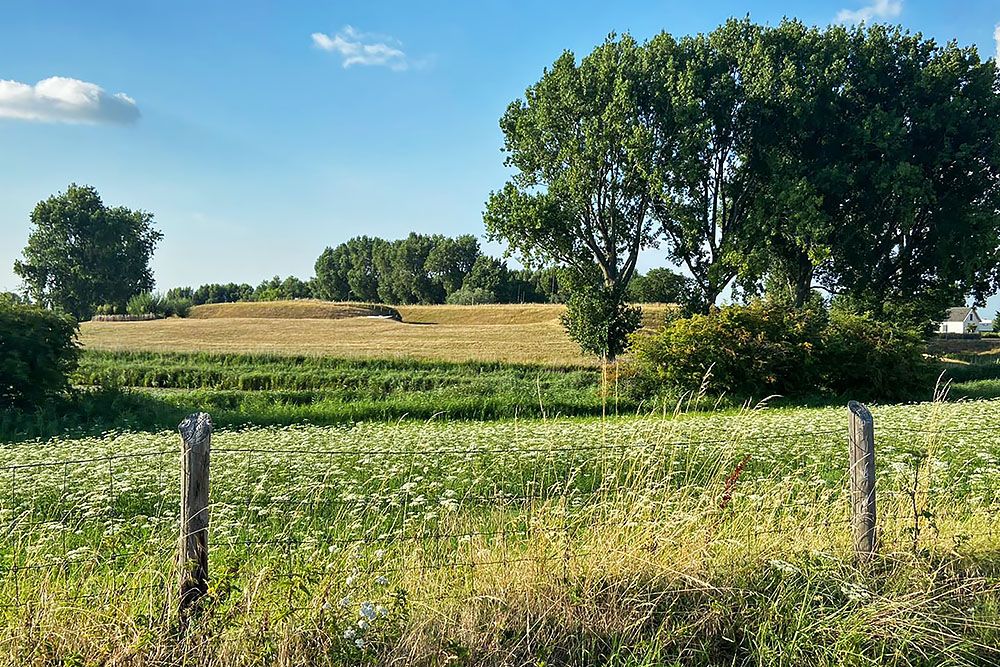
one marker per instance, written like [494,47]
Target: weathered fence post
[196,433]
[862,482]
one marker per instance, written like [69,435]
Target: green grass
[628,541]
[153,391]
[357,378]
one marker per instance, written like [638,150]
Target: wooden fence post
[862,482]
[196,433]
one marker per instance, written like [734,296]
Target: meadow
[447,504]
[518,334]
[673,539]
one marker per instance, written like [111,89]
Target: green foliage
[154,303]
[581,148]
[81,253]
[216,293]
[451,260]
[177,306]
[661,285]
[471,296]
[754,148]
[705,107]
[769,348]
[38,349]
[582,193]
[107,309]
[147,303]
[863,357]
[10,298]
[600,322]
[278,289]
[427,269]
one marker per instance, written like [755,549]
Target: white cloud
[996,38]
[358,48]
[879,9]
[62,100]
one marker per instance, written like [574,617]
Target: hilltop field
[522,334]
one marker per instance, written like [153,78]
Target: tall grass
[702,541]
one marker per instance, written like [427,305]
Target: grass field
[526,334]
[301,309]
[154,390]
[702,540]
[419,492]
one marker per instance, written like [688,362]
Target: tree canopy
[82,254]
[863,161]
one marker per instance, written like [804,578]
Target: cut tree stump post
[196,433]
[862,482]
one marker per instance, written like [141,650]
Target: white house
[964,320]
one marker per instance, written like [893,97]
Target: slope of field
[514,333]
[626,542]
[300,309]
[541,342]
[508,313]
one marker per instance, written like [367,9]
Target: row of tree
[861,161]
[426,269]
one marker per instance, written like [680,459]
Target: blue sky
[259,133]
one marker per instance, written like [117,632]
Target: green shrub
[868,359]
[154,303]
[470,296]
[765,349]
[146,303]
[38,349]
[177,306]
[600,322]
[107,309]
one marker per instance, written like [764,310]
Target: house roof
[957,314]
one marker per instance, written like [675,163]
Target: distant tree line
[426,269]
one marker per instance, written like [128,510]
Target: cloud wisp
[359,48]
[60,99]
[879,9]
[996,39]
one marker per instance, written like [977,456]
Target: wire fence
[315,526]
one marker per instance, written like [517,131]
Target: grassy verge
[153,391]
[631,542]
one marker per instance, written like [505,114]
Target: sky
[260,133]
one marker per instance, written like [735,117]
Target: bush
[600,322]
[766,349]
[146,303]
[38,350]
[107,309]
[868,359]
[154,303]
[470,296]
[177,306]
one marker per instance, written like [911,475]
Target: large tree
[709,107]
[585,154]
[915,186]
[82,254]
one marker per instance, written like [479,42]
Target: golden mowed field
[514,333]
